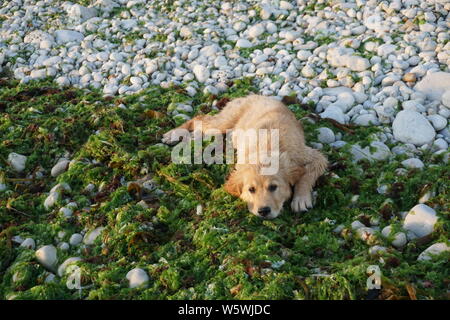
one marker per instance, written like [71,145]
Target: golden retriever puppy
[298,166]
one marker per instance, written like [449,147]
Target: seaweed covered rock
[376,151]
[64,266]
[28,243]
[433,250]
[91,236]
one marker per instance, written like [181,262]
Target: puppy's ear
[233,185]
[292,171]
[295,174]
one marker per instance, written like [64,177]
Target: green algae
[224,253]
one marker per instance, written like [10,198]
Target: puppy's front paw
[174,136]
[301,202]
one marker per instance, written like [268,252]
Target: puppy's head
[264,194]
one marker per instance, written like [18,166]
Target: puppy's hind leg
[172,137]
[222,121]
[316,165]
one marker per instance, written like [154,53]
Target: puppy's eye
[252,189]
[272,187]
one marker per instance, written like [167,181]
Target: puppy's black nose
[264,211]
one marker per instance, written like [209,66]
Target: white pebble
[28,243]
[60,167]
[326,135]
[137,278]
[420,220]
[75,239]
[413,163]
[17,161]
[47,257]
[201,73]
